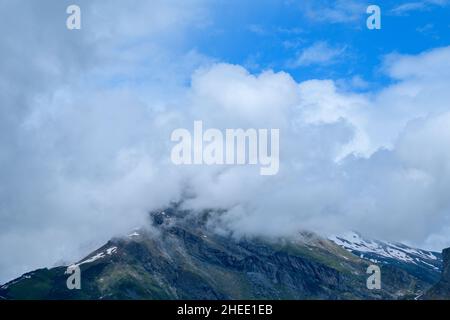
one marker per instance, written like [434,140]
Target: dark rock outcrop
[441,291]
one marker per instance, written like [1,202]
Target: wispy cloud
[334,11]
[428,30]
[408,7]
[320,53]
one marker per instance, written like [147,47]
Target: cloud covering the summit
[86,121]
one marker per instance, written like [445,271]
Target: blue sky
[272,34]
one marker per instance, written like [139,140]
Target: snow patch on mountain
[385,252]
[98,256]
[134,234]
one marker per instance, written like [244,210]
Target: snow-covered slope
[421,262]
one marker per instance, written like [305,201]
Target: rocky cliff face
[442,289]
[186,261]
[446,267]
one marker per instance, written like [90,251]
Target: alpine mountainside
[181,258]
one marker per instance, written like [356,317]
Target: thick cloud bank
[85,136]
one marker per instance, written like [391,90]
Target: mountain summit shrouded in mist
[361,117]
[186,261]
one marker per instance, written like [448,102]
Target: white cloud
[76,159]
[398,173]
[408,7]
[319,53]
[334,11]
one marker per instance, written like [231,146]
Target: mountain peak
[182,259]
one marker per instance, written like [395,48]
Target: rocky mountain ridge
[185,260]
